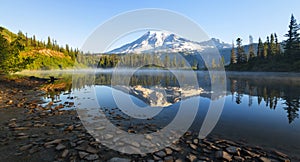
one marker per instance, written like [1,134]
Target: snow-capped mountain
[158,41]
[217,43]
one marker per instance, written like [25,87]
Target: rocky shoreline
[30,132]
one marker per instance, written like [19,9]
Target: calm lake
[260,108]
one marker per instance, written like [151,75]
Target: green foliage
[233,55]
[251,48]
[269,55]
[292,44]
[12,45]
[260,48]
[241,56]
[108,61]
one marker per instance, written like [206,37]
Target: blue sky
[73,21]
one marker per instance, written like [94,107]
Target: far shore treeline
[19,52]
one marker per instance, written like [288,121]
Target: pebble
[91,157]
[160,154]
[238,158]
[56,141]
[193,146]
[91,150]
[69,128]
[21,128]
[264,159]
[280,154]
[168,151]
[21,134]
[10,102]
[25,147]
[65,153]
[108,136]
[148,137]
[191,157]
[116,159]
[82,154]
[23,137]
[60,147]
[233,150]
[251,153]
[196,141]
[33,150]
[223,155]
[168,159]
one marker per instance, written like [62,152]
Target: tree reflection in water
[269,91]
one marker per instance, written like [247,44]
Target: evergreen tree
[233,55]
[260,49]
[265,50]
[268,47]
[49,44]
[4,50]
[67,49]
[277,44]
[272,46]
[34,41]
[292,43]
[241,56]
[251,48]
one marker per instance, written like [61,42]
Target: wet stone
[91,150]
[206,151]
[196,141]
[280,154]
[21,128]
[156,157]
[135,144]
[22,137]
[148,137]
[193,146]
[21,134]
[65,153]
[108,136]
[91,157]
[191,157]
[69,128]
[56,141]
[160,154]
[238,158]
[116,159]
[168,151]
[233,150]
[223,155]
[204,158]
[252,154]
[49,146]
[82,154]
[33,150]
[282,159]
[18,154]
[168,159]
[25,147]
[60,147]
[264,159]
[179,160]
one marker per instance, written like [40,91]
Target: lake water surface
[260,108]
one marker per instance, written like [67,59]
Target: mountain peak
[163,41]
